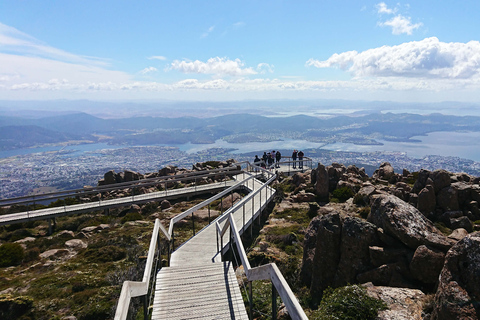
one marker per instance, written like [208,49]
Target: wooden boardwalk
[198,285]
[50,213]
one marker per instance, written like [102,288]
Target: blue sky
[234,50]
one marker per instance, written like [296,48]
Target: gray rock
[406,223]
[402,303]
[327,254]
[426,201]
[458,293]
[76,244]
[458,234]
[426,264]
[322,183]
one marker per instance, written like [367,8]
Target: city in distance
[51,145]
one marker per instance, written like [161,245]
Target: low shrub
[342,194]
[14,307]
[132,216]
[348,303]
[364,212]
[11,254]
[105,254]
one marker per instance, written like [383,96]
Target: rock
[65,234]
[303,196]
[165,204]
[380,256]
[441,179]
[447,199]
[25,240]
[75,244]
[309,245]
[357,236]
[110,177]
[363,195]
[228,201]
[421,180]
[69,318]
[458,234]
[131,176]
[402,303]
[385,172]
[461,222]
[167,170]
[380,276]
[327,254]
[322,184]
[300,178]
[426,264]
[426,201]
[90,229]
[54,253]
[406,223]
[458,293]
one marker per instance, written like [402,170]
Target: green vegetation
[15,307]
[443,229]
[11,254]
[342,194]
[348,303]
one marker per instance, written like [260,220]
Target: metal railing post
[250,302]
[243,226]
[145,307]
[193,223]
[274,302]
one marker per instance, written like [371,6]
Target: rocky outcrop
[385,172]
[458,294]
[406,223]
[402,303]
[322,183]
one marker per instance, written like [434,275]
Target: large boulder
[458,294]
[404,222]
[309,245]
[384,172]
[426,201]
[327,254]
[426,264]
[322,183]
[441,179]
[357,236]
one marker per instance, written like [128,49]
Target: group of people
[272,159]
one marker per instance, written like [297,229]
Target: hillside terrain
[363,129]
[330,227]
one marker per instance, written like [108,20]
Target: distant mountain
[359,129]
[16,137]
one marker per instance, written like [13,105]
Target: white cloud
[382,8]
[205,34]
[216,66]
[265,67]
[149,70]
[401,24]
[13,40]
[157,58]
[428,58]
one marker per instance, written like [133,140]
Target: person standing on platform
[294,158]
[300,160]
[278,157]
[256,162]
[264,158]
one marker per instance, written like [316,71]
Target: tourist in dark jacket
[300,160]
[278,157]
[294,158]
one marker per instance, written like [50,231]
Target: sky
[422,51]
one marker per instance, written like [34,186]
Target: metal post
[193,223]
[274,302]
[145,307]
[173,240]
[250,302]
[243,225]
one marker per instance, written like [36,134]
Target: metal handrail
[131,289]
[264,272]
[134,288]
[232,169]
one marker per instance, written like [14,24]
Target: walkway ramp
[206,291]
[198,285]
